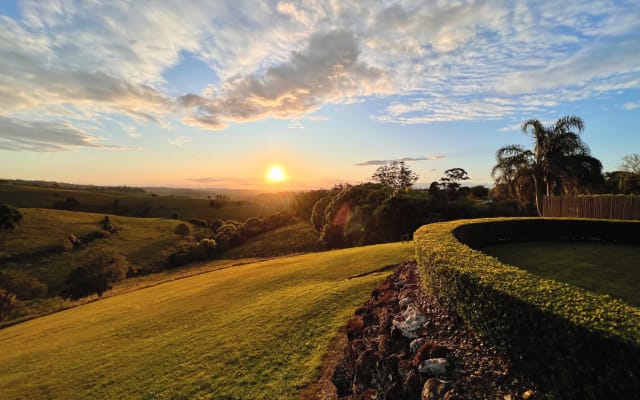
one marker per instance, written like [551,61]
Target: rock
[353,350]
[451,395]
[413,385]
[404,302]
[399,344]
[436,366]
[367,368]
[434,389]
[427,351]
[409,321]
[416,344]
[526,395]
[341,379]
[355,327]
[369,394]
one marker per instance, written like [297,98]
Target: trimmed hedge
[575,343]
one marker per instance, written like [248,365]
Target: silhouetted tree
[396,175]
[560,162]
[8,303]
[631,163]
[9,217]
[452,178]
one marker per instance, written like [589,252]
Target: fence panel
[603,207]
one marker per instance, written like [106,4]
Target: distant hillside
[256,331]
[292,239]
[136,202]
[37,245]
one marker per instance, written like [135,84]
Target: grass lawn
[601,267]
[256,331]
[297,238]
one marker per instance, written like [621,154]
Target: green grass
[140,204]
[606,268]
[256,331]
[144,242]
[291,239]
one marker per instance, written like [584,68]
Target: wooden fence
[605,207]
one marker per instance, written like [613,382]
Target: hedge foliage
[576,343]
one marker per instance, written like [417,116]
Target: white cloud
[404,159]
[179,141]
[631,105]
[326,71]
[43,136]
[442,61]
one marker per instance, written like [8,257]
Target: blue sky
[189,93]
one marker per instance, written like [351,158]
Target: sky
[212,93]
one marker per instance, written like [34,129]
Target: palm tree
[560,162]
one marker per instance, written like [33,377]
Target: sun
[275,174]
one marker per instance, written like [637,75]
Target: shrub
[583,344]
[183,229]
[9,217]
[23,285]
[208,247]
[8,304]
[96,274]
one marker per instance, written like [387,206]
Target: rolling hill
[256,331]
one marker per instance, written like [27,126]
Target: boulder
[409,321]
[435,366]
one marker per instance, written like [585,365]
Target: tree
[452,178]
[96,274]
[9,217]
[631,163]
[8,303]
[560,162]
[396,175]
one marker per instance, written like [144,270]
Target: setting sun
[275,174]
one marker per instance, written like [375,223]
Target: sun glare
[275,174]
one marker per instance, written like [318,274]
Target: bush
[9,217]
[576,342]
[183,229]
[23,285]
[8,304]
[96,274]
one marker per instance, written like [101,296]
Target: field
[601,267]
[256,331]
[36,245]
[291,239]
[140,203]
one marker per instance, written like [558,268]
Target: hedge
[575,343]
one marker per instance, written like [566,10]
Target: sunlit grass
[256,331]
[601,267]
[144,242]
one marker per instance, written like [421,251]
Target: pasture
[256,331]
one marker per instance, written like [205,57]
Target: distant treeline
[370,213]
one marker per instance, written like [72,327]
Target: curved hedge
[582,344]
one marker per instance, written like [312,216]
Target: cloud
[179,141]
[44,136]
[405,159]
[631,105]
[326,71]
[426,61]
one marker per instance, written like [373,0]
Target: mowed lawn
[607,268]
[256,331]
